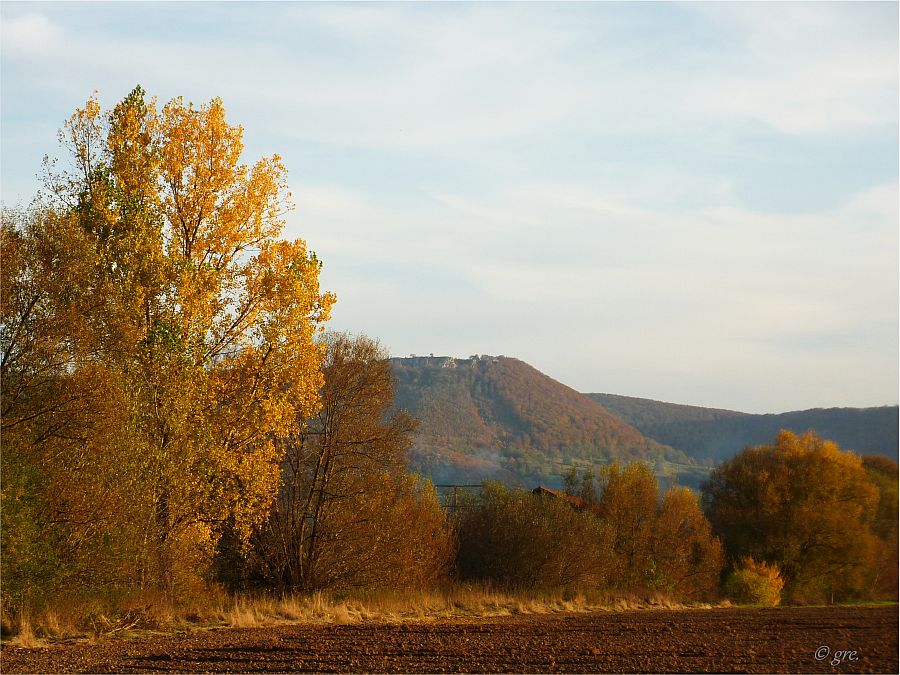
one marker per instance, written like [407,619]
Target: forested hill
[497,417]
[710,434]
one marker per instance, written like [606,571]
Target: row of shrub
[629,541]
[799,520]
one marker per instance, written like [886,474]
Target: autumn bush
[515,539]
[687,558]
[660,544]
[884,474]
[754,583]
[621,538]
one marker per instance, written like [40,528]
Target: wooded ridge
[498,417]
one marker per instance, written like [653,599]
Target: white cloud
[804,67]
[28,35]
[875,207]
[401,78]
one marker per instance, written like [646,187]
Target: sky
[691,202]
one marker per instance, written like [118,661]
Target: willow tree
[805,505]
[199,317]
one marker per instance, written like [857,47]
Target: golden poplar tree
[196,318]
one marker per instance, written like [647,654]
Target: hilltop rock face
[497,417]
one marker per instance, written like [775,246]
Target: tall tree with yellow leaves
[201,319]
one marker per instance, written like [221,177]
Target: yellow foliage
[178,327]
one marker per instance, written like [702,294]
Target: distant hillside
[497,417]
[710,435]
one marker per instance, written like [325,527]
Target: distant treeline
[621,539]
[709,435]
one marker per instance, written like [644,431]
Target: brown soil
[858,639]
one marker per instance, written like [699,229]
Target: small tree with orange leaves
[755,583]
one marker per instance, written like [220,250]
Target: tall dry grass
[26,635]
[95,618]
[455,601]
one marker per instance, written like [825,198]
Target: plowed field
[839,639]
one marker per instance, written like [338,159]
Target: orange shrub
[755,583]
